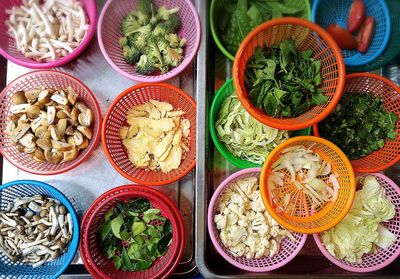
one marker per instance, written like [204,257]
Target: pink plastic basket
[109,34]
[373,262]
[7,43]
[52,79]
[288,249]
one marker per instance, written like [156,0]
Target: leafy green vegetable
[359,125]
[360,231]
[244,136]
[133,235]
[282,81]
[238,18]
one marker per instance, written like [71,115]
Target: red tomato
[343,38]
[356,15]
[365,34]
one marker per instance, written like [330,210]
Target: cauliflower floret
[232,218]
[220,221]
[237,234]
[238,250]
[224,236]
[257,203]
[286,233]
[275,231]
[260,252]
[247,184]
[236,198]
[274,249]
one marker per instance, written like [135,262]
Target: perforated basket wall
[116,116]
[306,36]
[23,188]
[303,218]
[8,47]
[287,251]
[383,257]
[390,94]
[48,79]
[109,34]
[325,12]
[92,255]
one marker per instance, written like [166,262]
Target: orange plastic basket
[116,116]
[300,219]
[306,35]
[383,88]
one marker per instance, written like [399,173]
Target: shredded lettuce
[244,136]
[361,231]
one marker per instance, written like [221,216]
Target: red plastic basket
[52,79]
[98,265]
[383,257]
[306,35]
[382,88]
[109,34]
[116,116]
[7,43]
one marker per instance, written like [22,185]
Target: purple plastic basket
[373,262]
[10,52]
[288,249]
[109,34]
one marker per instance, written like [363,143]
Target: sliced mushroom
[70,155]
[18,98]
[72,95]
[61,146]
[32,112]
[78,138]
[30,151]
[35,124]
[53,157]
[71,140]
[69,131]
[10,128]
[83,119]
[74,114]
[20,148]
[61,127]
[32,94]
[23,118]
[44,143]
[54,133]
[39,156]
[42,131]
[40,105]
[59,99]
[123,132]
[21,108]
[85,131]
[61,114]
[51,114]
[20,131]
[28,140]
[44,97]
[81,107]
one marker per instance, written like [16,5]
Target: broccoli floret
[123,42]
[131,55]
[173,57]
[174,40]
[164,13]
[129,24]
[145,6]
[141,42]
[142,18]
[145,66]
[162,45]
[145,30]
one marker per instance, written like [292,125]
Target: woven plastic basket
[10,52]
[116,116]
[306,35]
[383,88]
[325,12]
[383,257]
[98,265]
[22,188]
[225,91]
[300,219]
[109,34]
[50,79]
[392,49]
[215,16]
[287,251]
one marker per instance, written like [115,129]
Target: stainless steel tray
[212,168]
[96,175]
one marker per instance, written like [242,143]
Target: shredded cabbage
[360,231]
[243,135]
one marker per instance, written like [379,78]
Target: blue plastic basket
[8,269]
[325,12]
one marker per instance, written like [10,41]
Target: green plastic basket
[393,47]
[215,9]
[225,91]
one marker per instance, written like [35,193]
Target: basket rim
[210,216]
[96,136]
[396,88]
[73,245]
[265,173]
[236,161]
[214,29]
[386,38]
[342,263]
[105,128]
[158,78]
[276,122]
[91,12]
[151,194]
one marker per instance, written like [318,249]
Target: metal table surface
[96,175]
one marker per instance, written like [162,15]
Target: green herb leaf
[116,224]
